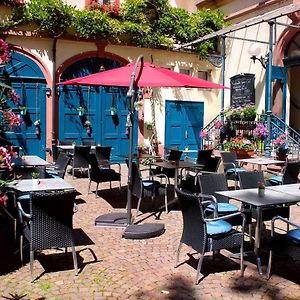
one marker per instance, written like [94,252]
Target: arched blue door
[96,101]
[28,81]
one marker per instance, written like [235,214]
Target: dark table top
[29,161]
[175,164]
[271,197]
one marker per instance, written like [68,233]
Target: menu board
[242,89]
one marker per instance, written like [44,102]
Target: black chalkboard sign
[242,90]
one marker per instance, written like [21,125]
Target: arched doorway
[96,102]
[28,81]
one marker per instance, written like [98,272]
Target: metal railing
[278,127]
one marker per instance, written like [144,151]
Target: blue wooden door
[105,129]
[184,120]
[28,81]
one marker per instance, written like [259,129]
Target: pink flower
[4,52]
[261,131]
[3,199]
[205,135]
[12,119]
[218,124]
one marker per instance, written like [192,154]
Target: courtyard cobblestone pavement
[111,267]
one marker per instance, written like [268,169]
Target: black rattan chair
[231,166]
[49,223]
[290,174]
[58,169]
[173,155]
[284,245]
[81,159]
[207,235]
[103,154]
[212,183]
[100,174]
[190,181]
[142,187]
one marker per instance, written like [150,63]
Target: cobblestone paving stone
[112,267]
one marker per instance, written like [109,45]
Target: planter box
[243,154]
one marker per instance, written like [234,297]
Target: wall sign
[242,91]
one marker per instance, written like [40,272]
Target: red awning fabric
[147,75]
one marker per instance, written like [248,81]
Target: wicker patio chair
[290,174]
[173,155]
[49,223]
[100,174]
[103,154]
[81,159]
[231,166]
[211,183]
[58,169]
[207,235]
[284,245]
[142,187]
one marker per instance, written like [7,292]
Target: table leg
[257,238]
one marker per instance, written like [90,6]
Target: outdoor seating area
[106,263]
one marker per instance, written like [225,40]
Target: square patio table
[175,165]
[261,161]
[29,161]
[45,184]
[66,148]
[272,197]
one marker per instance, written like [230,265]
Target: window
[185,71]
[203,75]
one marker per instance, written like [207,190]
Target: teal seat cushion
[223,207]
[218,227]
[236,170]
[25,197]
[150,184]
[294,235]
[275,179]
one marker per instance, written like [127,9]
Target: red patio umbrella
[148,75]
[134,75]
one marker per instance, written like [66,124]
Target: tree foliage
[144,23]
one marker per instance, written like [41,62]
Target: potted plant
[249,113]
[233,114]
[113,110]
[281,147]
[35,178]
[260,132]
[138,105]
[87,125]
[148,125]
[243,147]
[37,125]
[23,109]
[80,110]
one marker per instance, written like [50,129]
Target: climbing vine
[142,23]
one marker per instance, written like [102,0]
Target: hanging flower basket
[113,110]
[80,110]
[23,110]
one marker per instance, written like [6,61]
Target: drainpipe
[54,97]
[223,75]
[268,95]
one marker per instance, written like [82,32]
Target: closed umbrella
[140,74]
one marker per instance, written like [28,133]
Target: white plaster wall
[211,98]
[238,60]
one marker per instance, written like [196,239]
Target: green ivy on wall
[142,23]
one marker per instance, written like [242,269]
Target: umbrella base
[112,220]
[143,231]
